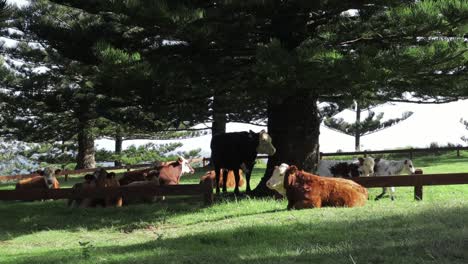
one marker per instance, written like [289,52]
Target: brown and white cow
[230,183]
[170,174]
[305,190]
[46,180]
[172,171]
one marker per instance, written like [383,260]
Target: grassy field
[181,230]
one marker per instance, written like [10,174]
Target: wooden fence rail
[416,180]
[204,189]
[409,151]
[65,173]
[72,172]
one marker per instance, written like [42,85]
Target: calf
[305,190]
[346,168]
[231,183]
[389,168]
[233,151]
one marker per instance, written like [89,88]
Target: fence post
[66,177]
[418,188]
[207,191]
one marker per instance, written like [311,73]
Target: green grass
[181,230]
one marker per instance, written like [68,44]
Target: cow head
[49,177]
[264,144]
[408,167]
[276,181]
[186,168]
[366,166]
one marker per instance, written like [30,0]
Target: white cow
[346,168]
[389,168]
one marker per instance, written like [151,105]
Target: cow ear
[361,160]
[406,162]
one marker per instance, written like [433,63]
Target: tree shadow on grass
[430,236]
[19,218]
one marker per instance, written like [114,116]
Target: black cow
[238,150]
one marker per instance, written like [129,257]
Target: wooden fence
[416,180]
[204,190]
[65,173]
[409,151]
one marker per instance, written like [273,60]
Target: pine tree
[371,124]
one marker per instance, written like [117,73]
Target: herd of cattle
[234,154]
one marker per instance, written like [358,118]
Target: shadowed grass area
[399,232]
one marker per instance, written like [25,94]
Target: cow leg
[225,178]
[248,172]
[247,179]
[217,174]
[290,204]
[237,179]
[384,191]
[392,193]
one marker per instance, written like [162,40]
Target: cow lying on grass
[346,168]
[46,180]
[99,179]
[231,182]
[389,168]
[169,173]
[305,190]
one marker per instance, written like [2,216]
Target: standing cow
[236,150]
[391,168]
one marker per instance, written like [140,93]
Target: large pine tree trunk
[219,116]
[85,158]
[357,135]
[294,126]
[118,142]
